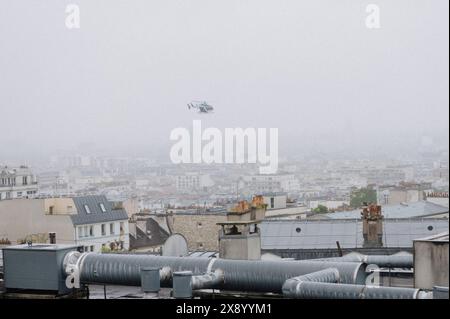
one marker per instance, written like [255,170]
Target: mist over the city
[247,152]
[121,82]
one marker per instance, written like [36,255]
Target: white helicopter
[201,106]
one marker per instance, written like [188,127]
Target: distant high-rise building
[193,181]
[272,183]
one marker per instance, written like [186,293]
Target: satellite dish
[175,246]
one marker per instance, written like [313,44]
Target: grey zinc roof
[323,234]
[153,235]
[96,215]
[407,210]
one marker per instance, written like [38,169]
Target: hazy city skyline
[312,69]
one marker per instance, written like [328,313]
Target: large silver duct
[399,260]
[292,285]
[325,284]
[238,275]
[125,270]
[321,290]
[208,281]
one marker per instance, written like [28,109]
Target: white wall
[97,239]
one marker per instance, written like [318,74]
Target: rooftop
[323,234]
[96,209]
[404,210]
[442,237]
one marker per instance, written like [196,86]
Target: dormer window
[102,207]
[86,208]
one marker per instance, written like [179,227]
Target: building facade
[271,183]
[89,221]
[193,182]
[17,182]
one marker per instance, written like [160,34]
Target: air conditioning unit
[36,267]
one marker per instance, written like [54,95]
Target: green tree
[320,209]
[363,195]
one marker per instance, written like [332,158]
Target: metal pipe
[330,275]
[184,283]
[269,276]
[238,275]
[325,284]
[208,281]
[125,269]
[165,274]
[314,290]
[399,260]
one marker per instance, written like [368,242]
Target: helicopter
[201,106]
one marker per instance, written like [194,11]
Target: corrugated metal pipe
[325,284]
[291,286]
[238,275]
[208,281]
[399,260]
[184,283]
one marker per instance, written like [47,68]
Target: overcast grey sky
[310,68]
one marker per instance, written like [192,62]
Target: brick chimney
[372,219]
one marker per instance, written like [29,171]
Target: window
[102,207]
[91,231]
[19,194]
[272,202]
[111,228]
[86,208]
[25,180]
[103,229]
[80,232]
[92,248]
[50,210]
[122,230]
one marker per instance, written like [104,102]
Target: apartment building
[193,182]
[402,193]
[17,182]
[89,221]
[271,183]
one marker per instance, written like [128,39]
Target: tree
[320,209]
[363,195]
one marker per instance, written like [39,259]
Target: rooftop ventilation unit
[35,267]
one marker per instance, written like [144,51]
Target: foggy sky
[310,68]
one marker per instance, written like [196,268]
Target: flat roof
[442,237]
[42,247]
[239,222]
[323,234]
